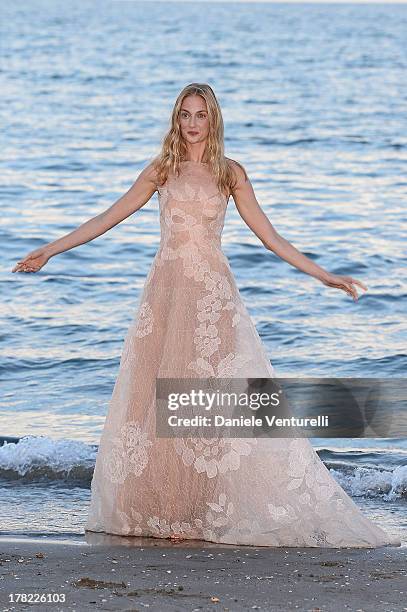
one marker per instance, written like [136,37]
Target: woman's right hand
[34,261]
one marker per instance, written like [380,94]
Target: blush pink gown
[191,323]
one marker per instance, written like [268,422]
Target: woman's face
[194,121]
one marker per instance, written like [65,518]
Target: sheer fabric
[191,322]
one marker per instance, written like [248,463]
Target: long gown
[191,323]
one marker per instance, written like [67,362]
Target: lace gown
[191,323]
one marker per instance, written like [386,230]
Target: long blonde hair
[174,149]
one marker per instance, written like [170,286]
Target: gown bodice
[192,209]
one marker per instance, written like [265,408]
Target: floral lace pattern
[145,322]
[213,456]
[192,322]
[128,453]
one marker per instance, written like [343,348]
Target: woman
[191,322]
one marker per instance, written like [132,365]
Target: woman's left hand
[346,283]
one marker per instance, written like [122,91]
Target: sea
[314,106]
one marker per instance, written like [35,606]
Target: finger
[354,281]
[25,263]
[20,264]
[350,290]
[359,283]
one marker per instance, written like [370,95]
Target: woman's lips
[192,133]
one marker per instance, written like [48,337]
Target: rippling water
[313,99]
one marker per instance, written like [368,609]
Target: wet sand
[114,573]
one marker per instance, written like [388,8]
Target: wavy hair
[173,149]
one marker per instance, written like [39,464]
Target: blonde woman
[191,323]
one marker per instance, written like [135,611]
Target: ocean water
[313,101]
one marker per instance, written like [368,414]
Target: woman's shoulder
[238,169]
[150,171]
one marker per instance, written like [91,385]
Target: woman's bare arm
[138,195]
[252,214]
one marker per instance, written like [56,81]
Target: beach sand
[114,573]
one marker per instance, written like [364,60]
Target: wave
[40,459]
[369,473]
[371,482]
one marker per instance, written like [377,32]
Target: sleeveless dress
[191,323]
